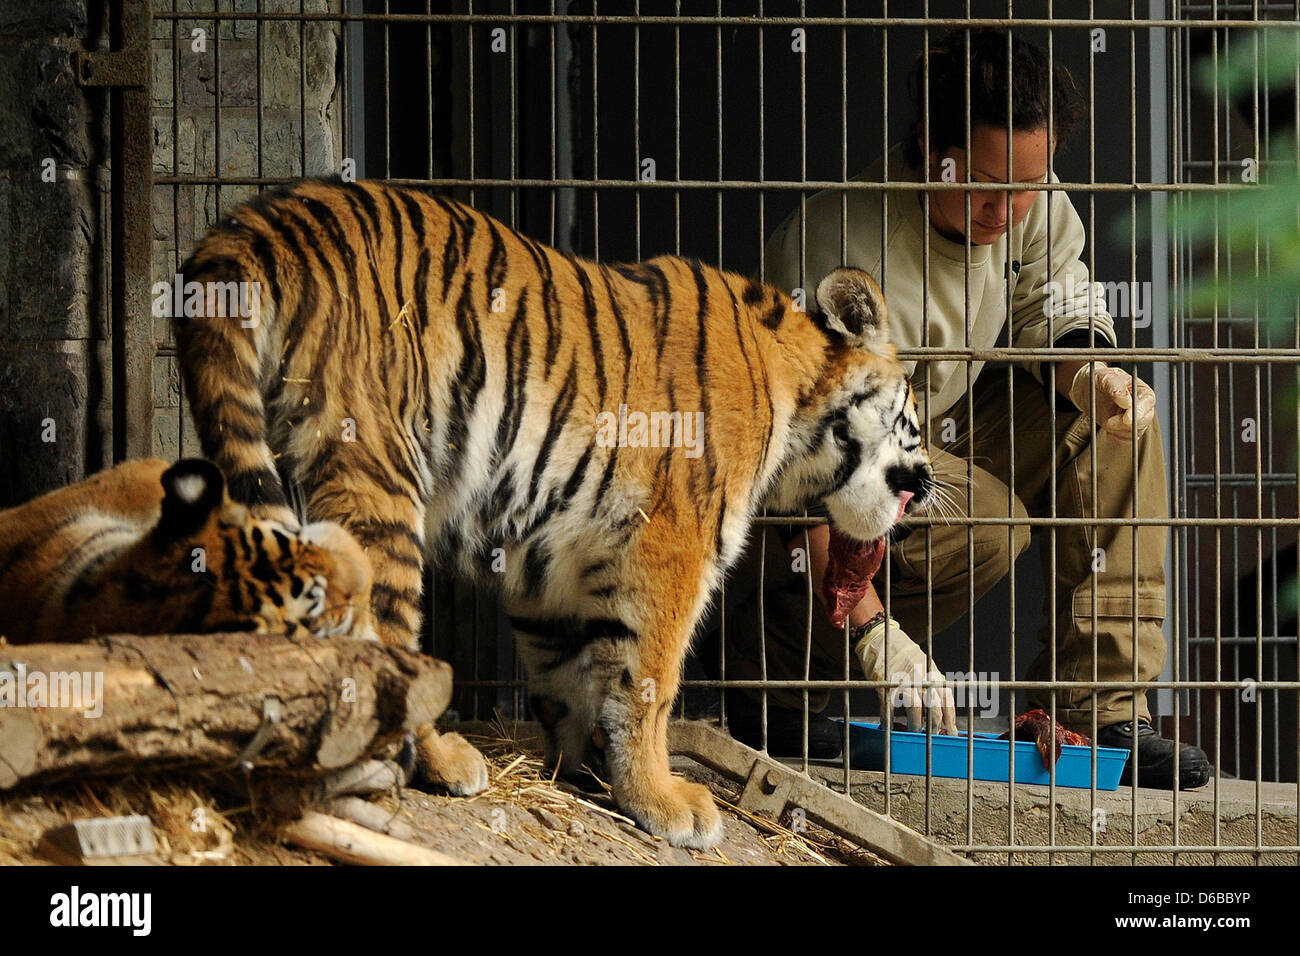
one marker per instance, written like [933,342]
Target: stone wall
[186,138]
[55,330]
[52,272]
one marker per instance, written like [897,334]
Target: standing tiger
[444,386]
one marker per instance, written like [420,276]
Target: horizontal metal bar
[1268,479]
[1243,356]
[804,185]
[1246,640]
[918,521]
[723,21]
[1110,848]
[794,684]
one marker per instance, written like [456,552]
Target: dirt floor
[524,818]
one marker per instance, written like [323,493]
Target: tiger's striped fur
[470,365]
[152,548]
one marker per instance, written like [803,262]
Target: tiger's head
[857,445]
[249,573]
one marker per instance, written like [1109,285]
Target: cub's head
[857,443]
[244,573]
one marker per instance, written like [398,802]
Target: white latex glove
[1126,406]
[906,664]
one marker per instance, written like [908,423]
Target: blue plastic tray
[948,758]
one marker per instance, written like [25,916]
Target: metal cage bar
[521,136]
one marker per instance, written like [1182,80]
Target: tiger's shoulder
[149,547]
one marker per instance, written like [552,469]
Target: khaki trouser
[789,655]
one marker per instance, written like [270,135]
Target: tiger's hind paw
[449,761]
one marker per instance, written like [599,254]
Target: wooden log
[371,816]
[349,842]
[127,703]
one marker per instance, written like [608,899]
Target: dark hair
[1030,74]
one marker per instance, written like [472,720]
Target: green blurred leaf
[1261,58]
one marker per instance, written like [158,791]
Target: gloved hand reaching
[907,664]
[1126,406]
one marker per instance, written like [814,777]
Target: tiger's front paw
[448,760]
[681,812]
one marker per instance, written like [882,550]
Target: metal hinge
[129,68]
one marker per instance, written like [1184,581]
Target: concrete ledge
[1240,812]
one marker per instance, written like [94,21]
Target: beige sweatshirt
[1049,294]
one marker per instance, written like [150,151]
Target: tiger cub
[148,548]
[593,440]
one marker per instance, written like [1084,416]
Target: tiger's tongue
[850,566]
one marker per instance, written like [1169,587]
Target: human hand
[1125,405]
[907,664]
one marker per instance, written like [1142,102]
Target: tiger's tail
[223,320]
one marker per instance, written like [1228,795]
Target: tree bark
[126,703]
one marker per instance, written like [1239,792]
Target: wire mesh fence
[1105,581]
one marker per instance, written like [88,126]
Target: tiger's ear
[854,306]
[192,490]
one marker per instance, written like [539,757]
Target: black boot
[1155,758]
[784,729]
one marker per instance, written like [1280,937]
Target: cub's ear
[192,490]
[854,306]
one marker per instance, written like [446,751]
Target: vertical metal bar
[216,117]
[1011,433]
[1234,537]
[970,456]
[302,86]
[513,197]
[174,59]
[562,135]
[804,277]
[636,126]
[1049,371]
[354,117]
[1295,333]
[131,178]
[1218,490]
[257,65]
[1092,394]
[1166,701]
[471,136]
[807,656]
[844,228]
[388,107]
[1259,467]
[515,669]
[595,132]
[885,723]
[1133,340]
[677,172]
[428,97]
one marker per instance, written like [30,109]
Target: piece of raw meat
[850,566]
[1036,725]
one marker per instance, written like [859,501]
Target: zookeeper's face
[991,212]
